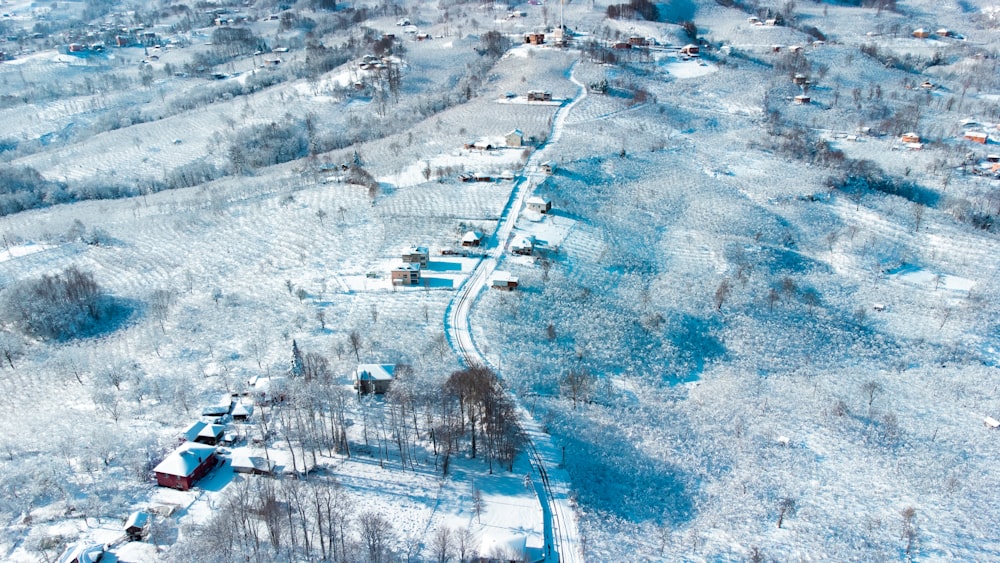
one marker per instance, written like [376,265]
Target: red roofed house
[185,465]
[976,137]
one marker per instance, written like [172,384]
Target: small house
[82,552]
[507,175]
[910,138]
[416,255]
[406,274]
[472,238]
[185,466]
[976,137]
[754,20]
[373,378]
[548,167]
[137,525]
[514,139]
[539,96]
[802,99]
[921,33]
[220,408]
[210,434]
[621,45]
[690,50]
[538,204]
[191,433]
[523,246]
[534,38]
[503,281]
[799,79]
[242,412]
[637,41]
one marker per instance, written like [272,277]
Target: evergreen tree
[297,368]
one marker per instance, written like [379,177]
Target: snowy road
[562,541]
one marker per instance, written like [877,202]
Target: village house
[799,79]
[534,38]
[976,137]
[539,96]
[416,255]
[910,138]
[548,167]
[503,281]
[921,33]
[220,408]
[802,99]
[538,204]
[374,378]
[210,434]
[268,390]
[185,466]
[514,139]
[637,41]
[82,552]
[241,412]
[405,274]
[690,50]
[472,238]
[137,525]
[523,246]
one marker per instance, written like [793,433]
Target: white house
[374,378]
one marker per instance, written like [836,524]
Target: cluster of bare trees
[57,307]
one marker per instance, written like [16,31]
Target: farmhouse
[503,281]
[137,525]
[539,96]
[976,137]
[538,204]
[472,238]
[416,255]
[514,139]
[406,274]
[185,465]
[373,378]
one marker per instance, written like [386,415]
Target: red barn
[185,465]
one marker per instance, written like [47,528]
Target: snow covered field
[723,347]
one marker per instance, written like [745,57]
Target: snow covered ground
[709,338]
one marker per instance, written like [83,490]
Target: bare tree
[376,533]
[577,384]
[721,294]
[909,514]
[354,339]
[441,544]
[786,507]
[870,389]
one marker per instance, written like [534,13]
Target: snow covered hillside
[732,273]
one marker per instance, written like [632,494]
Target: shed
[991,422]
[538,204]
[976,137]
[514,139]
[799,79]
[534,38]
[802,99]
[137,525]
[472,238]
[405,274]
[416,255]
[910,138]
[374,378]
[185,465]
[548,167]
[242,462]
[503,281]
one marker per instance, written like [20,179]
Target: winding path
[562,540]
